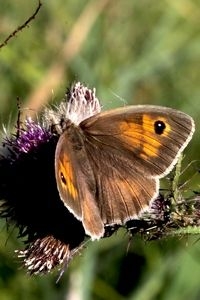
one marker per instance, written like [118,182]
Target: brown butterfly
[108,167]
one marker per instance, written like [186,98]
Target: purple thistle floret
[27,138]
[32,136]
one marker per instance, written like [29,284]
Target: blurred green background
[133,52]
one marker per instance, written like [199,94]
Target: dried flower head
[44,254]
[79,104]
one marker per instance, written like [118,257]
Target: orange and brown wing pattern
[130,149]
[108,167]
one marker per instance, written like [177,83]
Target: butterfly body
[108,167]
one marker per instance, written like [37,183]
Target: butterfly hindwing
[123,192]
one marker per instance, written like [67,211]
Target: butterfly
[108,166]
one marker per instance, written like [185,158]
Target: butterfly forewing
[151,137]
[75,181]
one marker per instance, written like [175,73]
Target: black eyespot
[159,127]
[63,178]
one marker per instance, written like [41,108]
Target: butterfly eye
[63,178]
[159,127]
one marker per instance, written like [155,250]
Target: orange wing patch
[151,140]
[67,177]
[142,135]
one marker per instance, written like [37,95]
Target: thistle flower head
[28,192]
